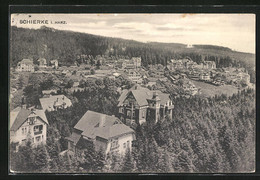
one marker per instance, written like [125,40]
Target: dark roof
[94,124]
[74,137]
[141,95]
[16,122]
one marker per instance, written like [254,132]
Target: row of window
[24,130]
[128,112]
[38,128]
[115,144]
[126,145]
[37,139]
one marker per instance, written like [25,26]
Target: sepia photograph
[132,93]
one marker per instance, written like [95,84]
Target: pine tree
[100,161]
[128,162]
[41,159]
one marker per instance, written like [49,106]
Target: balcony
[37,132]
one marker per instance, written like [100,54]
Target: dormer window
[31,120]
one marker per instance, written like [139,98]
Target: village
[149,97]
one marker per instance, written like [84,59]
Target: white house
[105,132]
[54,63]
[52,103]
[42,62]
[28,125]
[25,65]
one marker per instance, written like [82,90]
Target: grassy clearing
[208,90]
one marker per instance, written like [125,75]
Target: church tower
[153,111]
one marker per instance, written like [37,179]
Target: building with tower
[139,104]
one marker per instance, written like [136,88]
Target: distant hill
[50,44]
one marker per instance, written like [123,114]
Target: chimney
[23,104]
[102,120]
[155,94]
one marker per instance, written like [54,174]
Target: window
[128,113]
[133,113]
[38,138]
[124,145]
[128,144]
[22,130]
[122,110]
[114,144]
[37,129]
[143,114]
[31,120]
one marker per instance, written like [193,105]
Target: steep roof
[27,61]
[94,124]
[42,59]
[141,95]
[19,115]
[41,114]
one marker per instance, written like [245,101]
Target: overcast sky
[236,31]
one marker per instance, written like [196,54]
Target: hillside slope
[66,45]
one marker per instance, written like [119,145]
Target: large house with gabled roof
[139,104]
[105,132]
[27,125]
[55,102]
[25,65]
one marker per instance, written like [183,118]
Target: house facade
[137,61]
[135,76]
[42,63]
[185,63]
[26,65]
[54,63]
[28,125]
[205,76]
[105,132]
[139,105]
[134,63]
[209,65]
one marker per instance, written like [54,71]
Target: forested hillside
[205,135]
[66,45]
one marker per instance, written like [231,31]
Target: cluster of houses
[31,123]
[136,105]
[109,133]
[27,65]
[207,71]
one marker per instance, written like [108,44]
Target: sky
[236,31]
